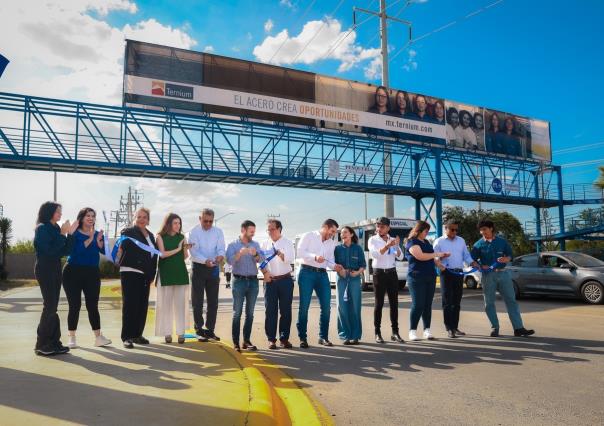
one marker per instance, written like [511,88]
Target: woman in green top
[172,281]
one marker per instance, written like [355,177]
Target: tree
[22,247]
[6,234]
[599,183]
[506,225]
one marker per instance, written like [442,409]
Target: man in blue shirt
[493,253]
[243,254]
[451,275]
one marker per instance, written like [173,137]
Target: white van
[365,229]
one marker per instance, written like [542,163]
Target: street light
[223,216]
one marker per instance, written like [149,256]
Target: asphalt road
[555,377]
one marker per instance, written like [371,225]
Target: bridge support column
[438,196]
[416,185]
[538,227]
[561,241]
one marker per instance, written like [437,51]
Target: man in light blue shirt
[207,252]
[243,254]
[451,275]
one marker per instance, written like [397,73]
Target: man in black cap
[384,251]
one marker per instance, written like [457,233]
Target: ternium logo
[158,88]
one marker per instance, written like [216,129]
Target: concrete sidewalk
[194,383]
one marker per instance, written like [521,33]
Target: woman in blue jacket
[51,243]
[82,274]
[351,256]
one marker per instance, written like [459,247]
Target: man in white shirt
[384,251]
[316,253]
[207,252]
[278,285]
[451,276]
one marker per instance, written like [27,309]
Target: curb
[275,394]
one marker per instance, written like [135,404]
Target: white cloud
[315,41]
[268,25]
[287,3]
[411,64]
[58,49]
[209,48]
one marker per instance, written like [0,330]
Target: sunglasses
[208,221]
[453,229]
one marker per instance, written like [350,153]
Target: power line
[444,27]
[318,31]
[354,27]
[578,148]
[297,22]
[582,163]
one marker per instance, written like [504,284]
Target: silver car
[562,273]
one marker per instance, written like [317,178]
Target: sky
[537,58]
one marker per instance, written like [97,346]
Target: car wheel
[471,282]
[592,292]
[401,285]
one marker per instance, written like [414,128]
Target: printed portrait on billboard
[465,126]
[507,134]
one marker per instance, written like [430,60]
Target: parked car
[563,273]
[472,280]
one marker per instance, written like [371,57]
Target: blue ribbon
[142,246]
[271,255]
[471,271]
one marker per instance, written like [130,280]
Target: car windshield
[583,260]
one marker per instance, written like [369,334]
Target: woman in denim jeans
[351,256]
[421,278]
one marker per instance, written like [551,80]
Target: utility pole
[388,198]
[129,203]
[54,196]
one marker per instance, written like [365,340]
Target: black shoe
[128,344]
[285,344]
[325,342]
[304,344]
[396,338]
[356,342]
[451,334]
[494,332]
[45,351]
[236,347]
[379,338]
[201,337]
[272,344]
[347,342]
[249,346]
[60,349]
[140,340]
[523,332]
[210,335]
[458,332]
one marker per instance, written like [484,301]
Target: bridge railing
[48,133]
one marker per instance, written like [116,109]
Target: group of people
[145,259]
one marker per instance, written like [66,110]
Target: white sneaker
[71,342]
[413,335]
[428,334]
[101,340]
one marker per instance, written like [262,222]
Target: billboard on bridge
[164,77]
